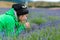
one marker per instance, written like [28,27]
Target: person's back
[7,22]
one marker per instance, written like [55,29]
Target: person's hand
[27,24]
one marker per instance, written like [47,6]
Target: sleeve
[20,29]
[1,26]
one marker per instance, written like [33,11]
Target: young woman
[14,20]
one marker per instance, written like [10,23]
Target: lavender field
[45,24]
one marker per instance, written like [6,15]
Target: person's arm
[1,26]
[9,25]
[19,29]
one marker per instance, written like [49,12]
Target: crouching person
[14,20]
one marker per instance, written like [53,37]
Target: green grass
[52,18]
[38,20]
[49,33]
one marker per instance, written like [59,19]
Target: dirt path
[4,4]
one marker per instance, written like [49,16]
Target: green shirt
[9,23]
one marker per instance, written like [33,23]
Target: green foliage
[52,18]
[43,4]
[38,20]
[48,33]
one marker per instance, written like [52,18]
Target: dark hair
[20,9]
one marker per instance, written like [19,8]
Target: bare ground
[4,4]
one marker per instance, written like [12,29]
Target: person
[14,20]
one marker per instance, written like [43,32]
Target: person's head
[21,10]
